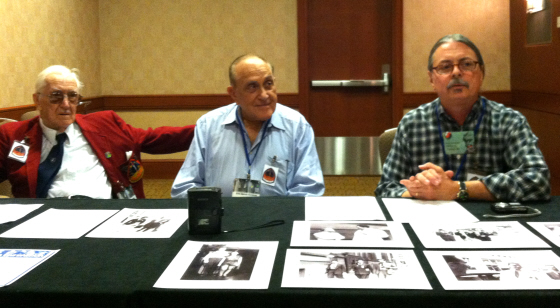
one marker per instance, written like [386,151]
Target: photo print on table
[222,262]
[496,270]
[337,268]
[482,234]
[220,265]
[350,234]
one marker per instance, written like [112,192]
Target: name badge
[19,152]
[246,188]
[459,142]
[269,175]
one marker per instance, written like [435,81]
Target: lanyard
[464,158]
[241,128]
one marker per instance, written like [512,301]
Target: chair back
[30,114]
[385,143]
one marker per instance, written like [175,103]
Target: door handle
[385,82]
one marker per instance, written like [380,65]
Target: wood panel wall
[535,84]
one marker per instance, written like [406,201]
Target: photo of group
[383,269]
[142,223]
[220,262]
[483,234]
[350,234]
[496,270]
[550,230]
[220,265]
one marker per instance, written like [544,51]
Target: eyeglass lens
[465,65]
[58,96]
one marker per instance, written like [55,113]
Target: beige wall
[186,46]
[130,47]
[153,118]
[485,22]
[35,34]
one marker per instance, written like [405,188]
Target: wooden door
[348,40]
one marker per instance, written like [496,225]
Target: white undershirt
[81,173]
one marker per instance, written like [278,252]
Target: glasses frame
[64,95]
[476,63]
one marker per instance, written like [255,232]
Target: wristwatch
[462,194]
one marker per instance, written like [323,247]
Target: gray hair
[455,38]
[41,82]
[232,75]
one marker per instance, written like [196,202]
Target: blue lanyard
[241,129]
[464,158]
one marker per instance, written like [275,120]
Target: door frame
[397,95]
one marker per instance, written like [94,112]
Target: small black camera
[205,210]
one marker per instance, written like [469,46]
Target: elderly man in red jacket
[63,154]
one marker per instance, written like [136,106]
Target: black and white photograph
[220,265]
[222,262]
[483,235]
[550,230]
[349,234]
[337,268]
[496,270]
[142,223]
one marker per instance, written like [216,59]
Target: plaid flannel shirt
[506,151]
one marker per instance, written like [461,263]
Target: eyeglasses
[465,65]
[57,97]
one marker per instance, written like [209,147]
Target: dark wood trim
[15,112]
[538,101]
[303,66]
[413,100]
[161,168]
[397,83]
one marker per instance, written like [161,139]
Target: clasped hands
[433,183]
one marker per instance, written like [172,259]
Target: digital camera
[205,210]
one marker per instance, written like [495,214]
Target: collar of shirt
[473,115]
[275,120]
[50,134]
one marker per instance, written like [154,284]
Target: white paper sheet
[496,270]
[411,210]
[14,263]
[13,212]
[142,223]
[63,224]
[350,234]
[381,269]
[343,208]
[482,234]
[550,230]
[220,265]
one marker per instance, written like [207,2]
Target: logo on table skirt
[269,176]
[19,151]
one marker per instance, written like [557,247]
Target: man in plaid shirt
[461,145]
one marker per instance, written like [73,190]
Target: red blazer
[109,137]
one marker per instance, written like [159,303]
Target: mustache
[457,81]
